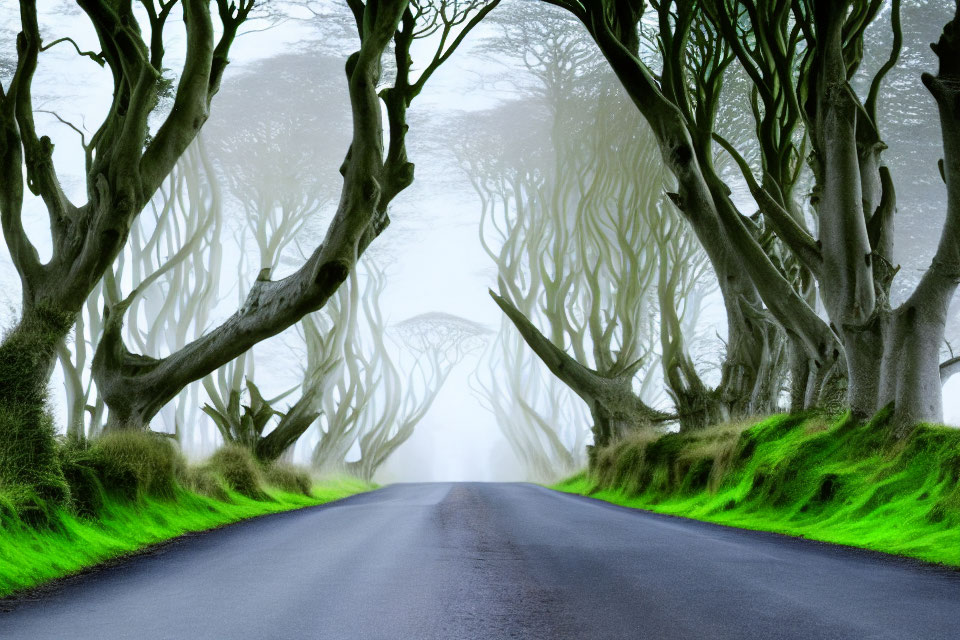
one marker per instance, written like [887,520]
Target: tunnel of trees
[662,157]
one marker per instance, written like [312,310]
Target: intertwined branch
[374,174]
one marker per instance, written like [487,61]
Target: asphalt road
[492,562]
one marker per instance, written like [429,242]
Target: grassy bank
[836,480]
[134,491]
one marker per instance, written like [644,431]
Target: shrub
[205,481]
[135,463]
[81,471]
[236,466]
[288,478]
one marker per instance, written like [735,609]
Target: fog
[292,69]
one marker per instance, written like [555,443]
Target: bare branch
[795,236]
[96,57]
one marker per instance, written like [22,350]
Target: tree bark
[910,370]
[123,170]
[292,425]
[138,386]
[615,408]
[28,354]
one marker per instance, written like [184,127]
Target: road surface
[492,562]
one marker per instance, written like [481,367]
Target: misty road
[493,561]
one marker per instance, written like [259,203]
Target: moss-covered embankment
[128,491]
[833,479]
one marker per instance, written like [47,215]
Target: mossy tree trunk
[124,166]
[615,408]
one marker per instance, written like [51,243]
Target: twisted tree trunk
[292,425]
[123,169]
[27,357]
[136,387]
[748,279]
[615,408]
[910,369]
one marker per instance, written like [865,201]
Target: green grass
[836,480]
[30,556]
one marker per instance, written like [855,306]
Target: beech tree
[338,426]
[754,361]
[586,245]
[378,396]
[543,420]
[375,170]
[172,264]
[853,198]
[324,334]
[281,197]
[359,395]
[754,339]
[183,273]
[545,423]
[559,266]
[125,165]
[253,425]
[73,356]
[392,408]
